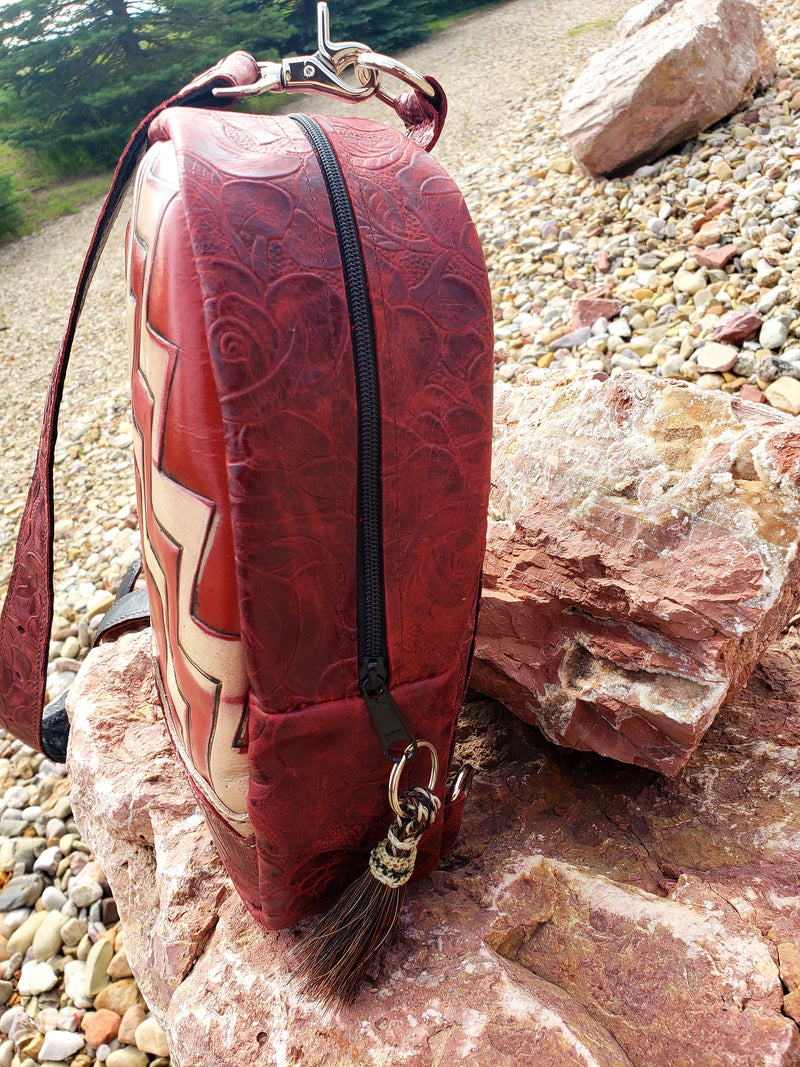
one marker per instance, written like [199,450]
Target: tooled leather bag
[311,339]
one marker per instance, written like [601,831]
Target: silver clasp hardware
[321,71]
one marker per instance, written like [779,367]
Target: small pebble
[59,1045]
[47,940]
[83,892]
[127,1057]
[36,977]
[131,1020]
[100,1027]
[118,996]
[150,1037]
[53,899]
[97,963]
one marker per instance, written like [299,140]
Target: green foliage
[10,215]
[384,25]
[76,76]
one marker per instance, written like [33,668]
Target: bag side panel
[183,497]
[279,337]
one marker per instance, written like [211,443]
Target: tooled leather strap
[28,609]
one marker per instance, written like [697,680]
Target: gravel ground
[550,234]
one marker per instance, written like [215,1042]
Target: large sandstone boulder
[592,913]
[642,555]
[677,67]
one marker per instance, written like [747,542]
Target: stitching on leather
[345,654]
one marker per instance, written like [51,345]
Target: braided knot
[389,867]
[420,807]
[392,861]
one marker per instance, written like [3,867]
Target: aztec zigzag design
[205,705]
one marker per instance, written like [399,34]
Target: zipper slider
[387,718]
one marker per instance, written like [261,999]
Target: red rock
[591,913]
[100,1027]
[738,326]
[643,554]
[789,957]
[718,208]
[752,394]
[586,310]
[791,1005]
[631,103]
[708,234]
[713,258]
[602,263]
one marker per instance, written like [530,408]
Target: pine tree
[77,77]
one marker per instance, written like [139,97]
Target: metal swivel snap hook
[318,73]
[321,72]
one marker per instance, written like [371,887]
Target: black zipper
[373,659]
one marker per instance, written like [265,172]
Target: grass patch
[61,198]
[586,27]
[38,199]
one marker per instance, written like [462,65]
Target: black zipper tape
[373,675]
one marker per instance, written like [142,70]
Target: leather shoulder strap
[28,609]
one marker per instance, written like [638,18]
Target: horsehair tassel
[333,959]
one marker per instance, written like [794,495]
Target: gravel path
[550,234]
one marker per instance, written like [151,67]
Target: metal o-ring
[366,61]
[399,767]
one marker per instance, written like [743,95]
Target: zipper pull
[390,726]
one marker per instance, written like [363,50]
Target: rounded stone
[151,1038]
[73,931]
[75,983]
[784,394]
[131,1021]
[771,368]
[100,1027]
[626,360]
[100,602]
[48,861]
[745,365]
[127,1056]
[118,996]
[774,334]
[686,282]
[53,899]
[119,967]
[710,381]
[96,967]
[83,892]
[36,977]
[47,939]
[8,1017]
[22,938]
[22,891]
[17,797]
[59,1045]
